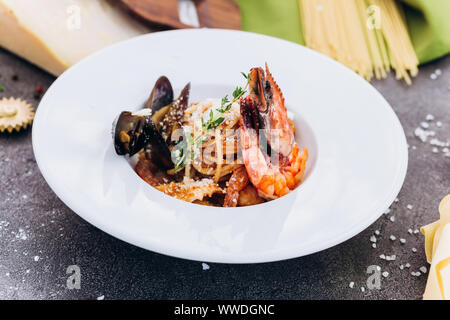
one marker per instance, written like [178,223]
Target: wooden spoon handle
[224,14]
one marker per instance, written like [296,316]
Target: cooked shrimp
[237,182]
[249,196]
[265,107]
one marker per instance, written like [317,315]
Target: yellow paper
[437,249]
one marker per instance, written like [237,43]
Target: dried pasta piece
[15,114]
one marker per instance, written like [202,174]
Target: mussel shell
[136,131]
[161,95]
[173,118]
[133,132]
[156,148]
[129,135]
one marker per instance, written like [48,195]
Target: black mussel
[129,136]
[173,117]
[150,129]
[135,131]
[161,96]
[156,148]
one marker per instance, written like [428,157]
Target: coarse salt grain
[36,258]
[373,239]
[392,237]
[439,143]
[374,245]
[205,266]
[410,231]
[409,206]
[402,267]
[363,289]
[424,125]
[392,219]
[402,241]
[423,135]
[423,269]
[21,235]
[429,117]
[438,72]
[416,231]
[435,150]
[438,124]
[414,250]
[385,274]
[377,232]
[351,284]
[101,298]
[407,265]
[391,258]
[433,76]
[382,256]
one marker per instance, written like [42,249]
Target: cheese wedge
[55,34]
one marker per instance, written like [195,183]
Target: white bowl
[358,152]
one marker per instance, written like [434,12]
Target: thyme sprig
[188,147]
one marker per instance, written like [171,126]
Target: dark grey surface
[117,270]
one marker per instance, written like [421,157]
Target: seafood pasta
[228,152]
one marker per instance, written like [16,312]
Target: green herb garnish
[185,147]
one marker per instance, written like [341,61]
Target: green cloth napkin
[428,23]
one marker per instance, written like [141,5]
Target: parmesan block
[55,34]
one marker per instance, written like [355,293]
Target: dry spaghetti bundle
[368,36]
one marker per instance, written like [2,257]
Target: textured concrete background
[40,237]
